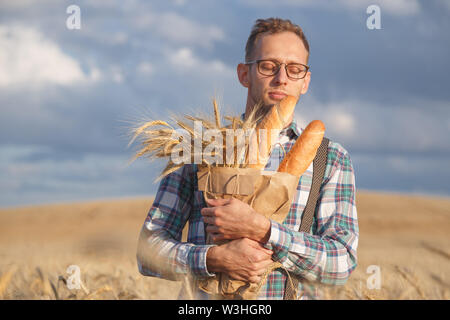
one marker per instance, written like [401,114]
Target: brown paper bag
[268,192]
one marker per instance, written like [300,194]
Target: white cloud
[117,74]
[445,4]
[184,60]
[95,74]
[178,29]
[339,120]
[119,38]
[366,125]
[24,4]
[299,3]
[179,2]
[145,68]
[397,7]
[343,122]
[28,58]
[24,181]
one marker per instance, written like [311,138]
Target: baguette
[273,122]
[304,150]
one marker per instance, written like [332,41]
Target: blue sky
[68,97]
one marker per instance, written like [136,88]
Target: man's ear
[242,72]
[306,81]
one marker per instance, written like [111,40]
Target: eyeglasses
[294,71]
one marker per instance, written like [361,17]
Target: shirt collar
[292,130]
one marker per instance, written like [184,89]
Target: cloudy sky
[69,96]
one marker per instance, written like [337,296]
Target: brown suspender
[319,165]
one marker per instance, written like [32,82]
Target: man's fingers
[267,251]
[218,237]
[207,211]
[208,220]
[263,265]
[261,256]
[212,229]
[255,279]
[217,202]
[259,246]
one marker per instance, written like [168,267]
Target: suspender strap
[319,165]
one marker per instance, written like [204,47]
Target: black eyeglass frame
[278,68]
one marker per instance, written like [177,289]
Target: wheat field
[406,237]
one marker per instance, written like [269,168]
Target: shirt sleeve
[328,255]
[160,250]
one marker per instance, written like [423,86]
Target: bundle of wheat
[189,140]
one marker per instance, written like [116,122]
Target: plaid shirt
[327,256]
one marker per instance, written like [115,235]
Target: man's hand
[234,219]
[241,259]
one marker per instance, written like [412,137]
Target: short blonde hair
[272,25]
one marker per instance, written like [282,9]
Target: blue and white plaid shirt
[326,255]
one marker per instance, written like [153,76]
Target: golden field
[407,237]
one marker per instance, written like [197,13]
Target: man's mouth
[277,95]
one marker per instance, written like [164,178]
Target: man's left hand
[234,219]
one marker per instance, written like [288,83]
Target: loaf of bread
[304,150]
[274,121]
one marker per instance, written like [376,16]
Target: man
[276,65]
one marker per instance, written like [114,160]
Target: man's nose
[281,76]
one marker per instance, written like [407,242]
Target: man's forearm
[213,260]
[329,258]
[162,256]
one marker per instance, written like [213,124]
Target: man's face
[284,47]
